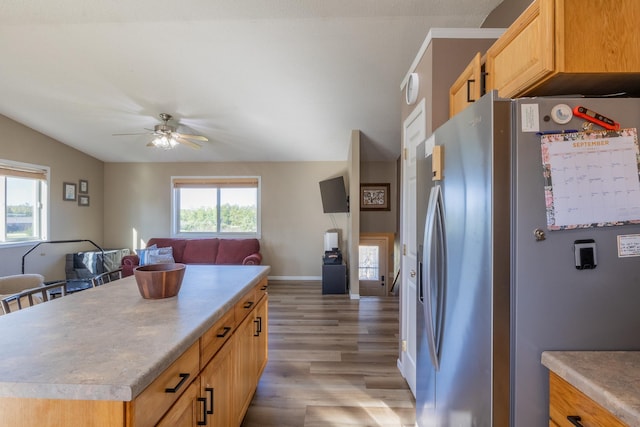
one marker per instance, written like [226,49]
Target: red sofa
[203,251]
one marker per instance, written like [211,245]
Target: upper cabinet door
[525,53]
[467,88]
[565,47]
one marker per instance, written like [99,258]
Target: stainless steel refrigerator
[504,274]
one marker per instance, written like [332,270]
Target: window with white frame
[216,206]
[24,195]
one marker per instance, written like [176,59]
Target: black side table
[334,279]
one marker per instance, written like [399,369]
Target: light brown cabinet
[562,47]
[566,401]
[468,88]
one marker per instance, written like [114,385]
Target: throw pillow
[142,254]
[160,256]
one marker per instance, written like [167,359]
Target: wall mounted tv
[334,195]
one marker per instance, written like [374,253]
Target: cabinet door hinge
[404,345]
[404,249]
[406,154]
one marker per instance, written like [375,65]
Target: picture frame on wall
[83,187]
[375,197]
[83,200]
[69,191]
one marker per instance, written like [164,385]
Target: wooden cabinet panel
[566,400]
[186,410]
[262,338]
[217,388]
[17,412]
[524,54]
[467,88]
[154,401]
[565,47]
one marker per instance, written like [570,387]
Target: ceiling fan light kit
[166,136]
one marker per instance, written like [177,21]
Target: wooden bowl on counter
[157,281]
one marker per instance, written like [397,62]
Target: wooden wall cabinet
[469,86]
[563,47]
[567,401]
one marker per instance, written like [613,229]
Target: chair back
[106,277]
[29,297]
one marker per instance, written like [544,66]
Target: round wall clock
[411,94]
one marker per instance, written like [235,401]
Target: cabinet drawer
[246,304]
[216,336]
[155,400]
[261,289]
[566,400]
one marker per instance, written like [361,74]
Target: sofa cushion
[160,255]
[234,251]
[143,254]
[201,251]
[177,246]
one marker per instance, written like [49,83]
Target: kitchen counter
[108,343]
[610,378]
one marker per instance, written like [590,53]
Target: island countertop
[610,378]
[108,343]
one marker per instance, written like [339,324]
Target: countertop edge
[559,363]
[34,389]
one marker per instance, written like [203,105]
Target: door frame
[388,239]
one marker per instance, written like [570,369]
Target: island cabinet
[569,407]
[560,47]
[210,383]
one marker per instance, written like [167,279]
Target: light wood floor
[332,362]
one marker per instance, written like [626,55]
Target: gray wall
[138,207]
[67,219]
[506,12]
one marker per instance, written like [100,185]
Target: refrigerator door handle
[426,285]
[440,271]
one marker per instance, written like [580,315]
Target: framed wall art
[69,191]
[83,200]
[374,197]
[84,187]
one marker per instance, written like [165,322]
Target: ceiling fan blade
[123,134]
[187,142]
[196,137]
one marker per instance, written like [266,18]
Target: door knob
[412,273]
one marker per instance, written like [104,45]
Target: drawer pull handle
[210,391]
[224,334]
[575,420]
[469,90]
[183,378]
[248,304]
[204,411]
[258,328]
[264,288]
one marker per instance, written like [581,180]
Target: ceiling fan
[166,136]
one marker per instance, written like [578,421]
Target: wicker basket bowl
[157,281]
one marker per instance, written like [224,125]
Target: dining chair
[30,297]
[106,277]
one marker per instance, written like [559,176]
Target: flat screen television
[334,195]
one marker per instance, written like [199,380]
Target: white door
[414,132]
[372,268]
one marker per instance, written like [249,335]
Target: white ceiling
[264,80]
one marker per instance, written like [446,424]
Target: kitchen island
[104,349]
[608,379]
